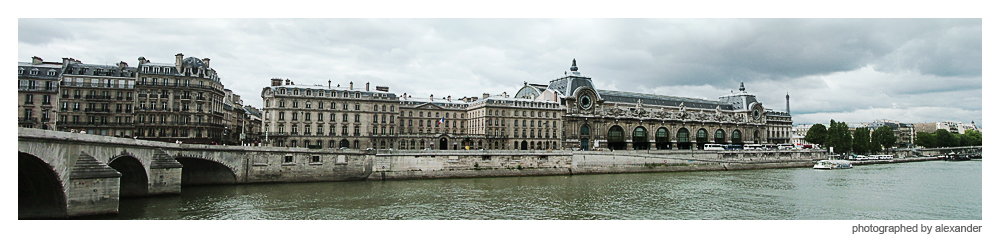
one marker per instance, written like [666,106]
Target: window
[315,158]
[288,158]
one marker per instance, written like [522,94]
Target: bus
[786,146]
[733,147]
[753,147]
[713,147]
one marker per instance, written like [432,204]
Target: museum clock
[585,102]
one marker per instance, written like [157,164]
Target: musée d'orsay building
[566,113]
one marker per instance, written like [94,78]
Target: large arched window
[720,136]
[640,139]
[616,138]
[662,139]
[584,130]
[737,137]
[702,135]
[683,135]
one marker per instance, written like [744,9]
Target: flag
[441,121]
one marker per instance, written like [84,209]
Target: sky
[853,70]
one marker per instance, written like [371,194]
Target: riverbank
[892,161]
[405,165]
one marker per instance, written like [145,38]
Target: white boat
[833,164]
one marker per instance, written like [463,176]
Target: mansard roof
[660,100]
[98,70]
[567,85]
[192,62]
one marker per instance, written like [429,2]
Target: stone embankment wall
[398,165]
[308,165]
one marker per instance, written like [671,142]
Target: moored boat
[957,157]
[833,164]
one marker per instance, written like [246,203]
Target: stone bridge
[62,174]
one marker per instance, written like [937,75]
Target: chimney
[275,82]
[432,97]
[122,65]
[206,63]
[36,60]
[449,98]
[288,82]
[382,88]
[178,58]
[486,95]
[352,85]
[329,83]
[366,86]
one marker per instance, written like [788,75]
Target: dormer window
[52,72]
[20,70]
[34,71]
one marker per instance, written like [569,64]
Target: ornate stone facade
[621,120]
[328,117]
[97,99]
[37,93]
[180,101]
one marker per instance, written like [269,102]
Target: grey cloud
[816,60]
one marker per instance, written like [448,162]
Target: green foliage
[944,138]
[884,136]
[862,143]
[925,139]
[519,167]
[975,137]
[839,137]
[964,140]
[816,134]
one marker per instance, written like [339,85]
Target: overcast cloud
[855,70]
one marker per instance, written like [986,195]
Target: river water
[933,190]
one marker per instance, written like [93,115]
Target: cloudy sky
[854,70]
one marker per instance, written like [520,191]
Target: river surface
[932,190]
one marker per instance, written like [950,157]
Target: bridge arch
[40,192]
[134,180]
[198,171]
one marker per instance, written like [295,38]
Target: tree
[975,136]
[944,138]
[925,139]
[964,140]
[862,140]
[816,134]
[838,137]
[884,136]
